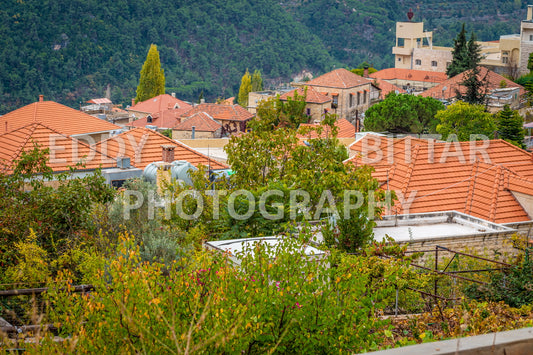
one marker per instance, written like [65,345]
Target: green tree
[473,52]
[465,120]
[402,113]
[476,87]
[460,55]
[530,63]
[245,88]
[257,81]
[152,80]
[360,70]
[510,126]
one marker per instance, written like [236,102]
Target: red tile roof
[64,151]
[158,104]
[471,177]
[99,101]
[143,146]
[409,74]
[387,87]
[344,130]
[164,119]
[451,85]
[56,116]
[313,96]
[338,78]
[201,121]
[222,112]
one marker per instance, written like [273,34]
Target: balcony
[402,50]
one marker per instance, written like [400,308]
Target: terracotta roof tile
[64,151]
[313,96]
[56,116]
[164,119]
[222,112]
[453,84]
[201,121]
[409,74]
[339,78]
[158,104]
[387,87]
[478,182]
[345,130]
[143,146]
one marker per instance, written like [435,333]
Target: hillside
[71,51]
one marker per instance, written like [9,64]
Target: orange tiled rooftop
[143,146]
[478,178]
[201,121]
[56,116]
[222,112]
[339,78]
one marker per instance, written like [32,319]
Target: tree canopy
[152,80]
[257,81]
[510,126]
[403,113]
[465,121]
[245,89]
[466,54]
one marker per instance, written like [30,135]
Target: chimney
[202,101]
[173,94]
[41,98]
[193,132]
[529,13]
[132,102]
[168,153]
[365,71]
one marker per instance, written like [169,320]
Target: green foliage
[245,88]
[510,126]
[152,80]
[476,88]
[204,304]
[257,81]
[466,55]
[513,286]
[530,62]
[360,70]
[465,120]
[402,113]
[55,209]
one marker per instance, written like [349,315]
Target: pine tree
[473,52]
[257,81]
[152,80]
[460,55]
[244,90]
[510,126]
[476,88]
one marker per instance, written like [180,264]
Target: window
[335,102]
[149,119]
[351,100]
[433,63]
[505,60]
[308,111]
[399,59]
[418,62]
[364,97]
[358,98]
[531,38]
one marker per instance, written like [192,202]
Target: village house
[316,104]
[351,95]
[60,118]
[500,91]
[161,112]
[492,180]
[412,81]
[198,126]
[144,146]
[232,118]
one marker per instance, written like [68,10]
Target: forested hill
[71,50]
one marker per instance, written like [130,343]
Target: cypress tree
[152,80]
[510,126]
[244,90]
[460,55]
[257,81]
[473,52]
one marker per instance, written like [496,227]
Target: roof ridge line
[498,182]
[410,169]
